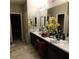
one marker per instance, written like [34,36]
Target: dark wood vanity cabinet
[56,53]
[33,39]
[39,45]
[47,50]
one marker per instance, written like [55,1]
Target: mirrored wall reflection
[61,21]
[43,21]
[39,22]
[61,12]
[35,21]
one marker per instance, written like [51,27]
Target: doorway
[61,22]
[16,27]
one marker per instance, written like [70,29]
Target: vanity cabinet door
[47,50]
[52,53]
[56,53]
[39,45]
[33,40]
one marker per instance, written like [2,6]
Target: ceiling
[18,1]
[23,1]
[50,2]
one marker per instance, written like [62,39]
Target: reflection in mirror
[61,12]
[45,21]
[41,21]
[61,22]
[47,18]
[35,21]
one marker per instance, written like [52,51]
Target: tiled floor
[21,50]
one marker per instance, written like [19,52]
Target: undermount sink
[54,41]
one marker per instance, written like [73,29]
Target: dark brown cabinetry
[47,50]
[39,45]
[56,53]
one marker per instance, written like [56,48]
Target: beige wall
[17,8]
[25,23]
[60,9]
[32,9]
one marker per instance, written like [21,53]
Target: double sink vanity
[54,23]
[49,48]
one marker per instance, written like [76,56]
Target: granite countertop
[62,44]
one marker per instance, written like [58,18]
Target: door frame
[21,23]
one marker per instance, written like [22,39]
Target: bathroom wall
[32,9]
[15,8]
[21,8]
[60,9]
[25,23]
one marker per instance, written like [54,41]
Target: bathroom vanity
[49,48]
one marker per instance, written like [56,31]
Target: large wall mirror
[61,12]
[43,21]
